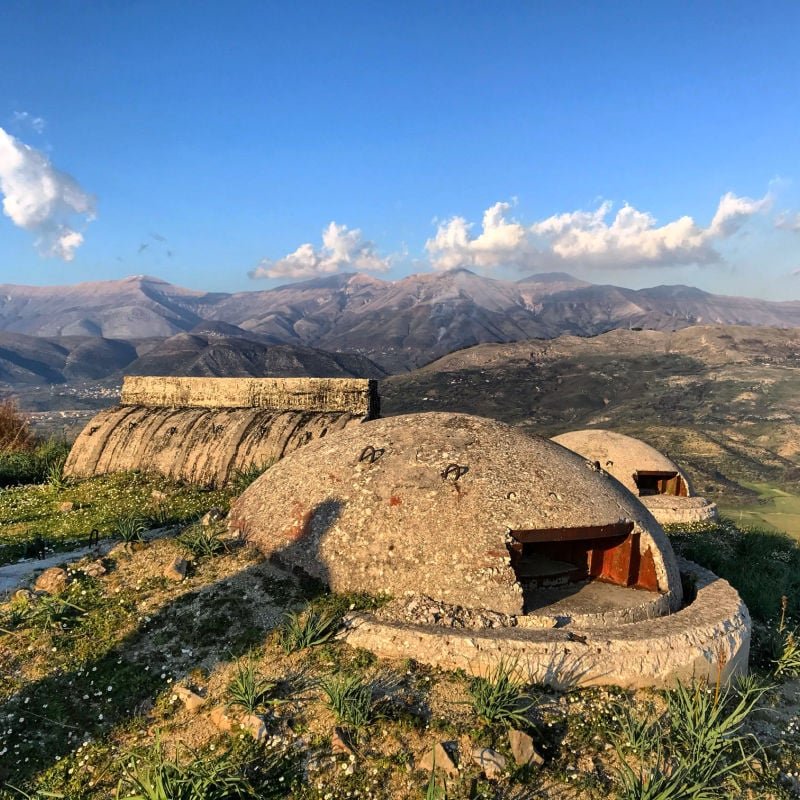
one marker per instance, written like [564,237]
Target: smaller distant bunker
[526,551]
[203,430]
[655,479]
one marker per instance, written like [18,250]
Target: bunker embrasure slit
[652,482]
[556,557]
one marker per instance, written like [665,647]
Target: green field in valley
[775,509]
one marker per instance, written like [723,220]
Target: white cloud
[26,118]
[41,199]
[342,249]
[788,221]
[501,241]
[629,238]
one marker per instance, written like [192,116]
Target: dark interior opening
[554,557]
[650,482]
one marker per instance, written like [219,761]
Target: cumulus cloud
[342,249]
[788,221]
[41,199]
[598,238]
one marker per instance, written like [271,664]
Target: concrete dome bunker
[465,510]
[436,506]
[655,479]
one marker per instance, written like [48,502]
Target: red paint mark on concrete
[301,523]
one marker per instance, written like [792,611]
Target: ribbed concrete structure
[656,479]
[204,429]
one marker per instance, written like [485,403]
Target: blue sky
[227,136]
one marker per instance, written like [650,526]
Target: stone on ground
[523,749]
[340,742]
[51,581]
[176,571]
[95,569]
[439,757]
[191,701]
[490,761]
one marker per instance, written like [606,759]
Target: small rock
[220,719]
[176,571]
[212,516]
[51,581]
[340,743]
[66,506]
[254,725]
[439,757]
[523,749]
[490,761]
[95,569]
[22,595]
[191,701]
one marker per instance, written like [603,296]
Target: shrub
[248,690]
[761,565]
[34,465]
[129,528]
[349,697]
[202,542]
[15,433]
[501,699]
[300,631]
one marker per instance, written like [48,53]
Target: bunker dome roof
[426,503]
[621,456]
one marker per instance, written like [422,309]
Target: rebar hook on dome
[371,454]
[454,471]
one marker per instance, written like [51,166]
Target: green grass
[775,510]
[98,503]
[299,631]
[249,772]
[42,464]
[242,478]
[202,542]
[762,565]
[249,690]
[349,697]
[500,699]
[697,750]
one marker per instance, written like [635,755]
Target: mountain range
[400,324]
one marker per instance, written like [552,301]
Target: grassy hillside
[228,684]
